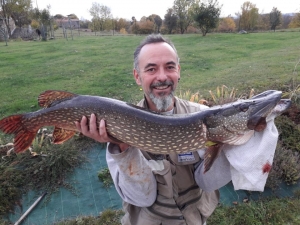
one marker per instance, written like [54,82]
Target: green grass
[263,212]
[103,65]
[107,217]
[105,177]
[44,172]
[268,212]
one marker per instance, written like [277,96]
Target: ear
[178,72]
[137,77]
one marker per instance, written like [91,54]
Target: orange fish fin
[61,135]
[23,137]
[50,97]
[11,124]
[23,140]
[240,139]
[210,156]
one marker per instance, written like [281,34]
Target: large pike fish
[232,123]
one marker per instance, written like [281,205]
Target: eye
[150,70]
[244,107]
[171,67]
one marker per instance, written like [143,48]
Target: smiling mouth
[162,87]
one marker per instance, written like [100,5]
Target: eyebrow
[171,63]
[149,65]
[153,64]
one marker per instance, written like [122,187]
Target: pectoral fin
[240,139]
[210,156]
[61,135]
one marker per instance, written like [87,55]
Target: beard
[163,101]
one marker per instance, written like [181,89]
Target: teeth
[161,87]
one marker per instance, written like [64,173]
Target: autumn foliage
[226,25]
[295,21]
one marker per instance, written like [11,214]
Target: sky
[139,8]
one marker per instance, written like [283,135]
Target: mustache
[160,84]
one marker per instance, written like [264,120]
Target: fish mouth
[265,102]
[282,106]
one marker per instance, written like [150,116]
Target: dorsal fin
[47,98]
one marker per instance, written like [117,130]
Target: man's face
[158,75]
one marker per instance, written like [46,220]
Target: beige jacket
[175,197]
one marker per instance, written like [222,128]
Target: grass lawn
[102,65]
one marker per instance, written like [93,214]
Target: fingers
[90,129]
[81,124]
[93,124]
[84,126]
[102,130]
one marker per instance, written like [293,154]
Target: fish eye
[244,107]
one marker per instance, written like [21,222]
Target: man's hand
[91,131]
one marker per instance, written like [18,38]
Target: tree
[275,18]
[158,23]
[72,16]
[121,23]
[84,24]
[263,22]
[170,21]
[286,19]
[226,25]
[182,11]
[34,24]
[15,9]
[101,15]
[134,25]
[58,16]
[21,18]
[249,16]
[43,18]
[207,15]
[145,26]
[295,22]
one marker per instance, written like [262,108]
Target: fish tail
[23,136]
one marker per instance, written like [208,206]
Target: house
[67,23]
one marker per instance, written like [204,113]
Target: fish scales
[232,123]
[125,122]
[147,135]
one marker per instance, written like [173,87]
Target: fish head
[235,123]
[281,106]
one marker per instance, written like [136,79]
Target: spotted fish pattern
[233,123]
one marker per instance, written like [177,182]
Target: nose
[161,75]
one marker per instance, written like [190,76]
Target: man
[160,189]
